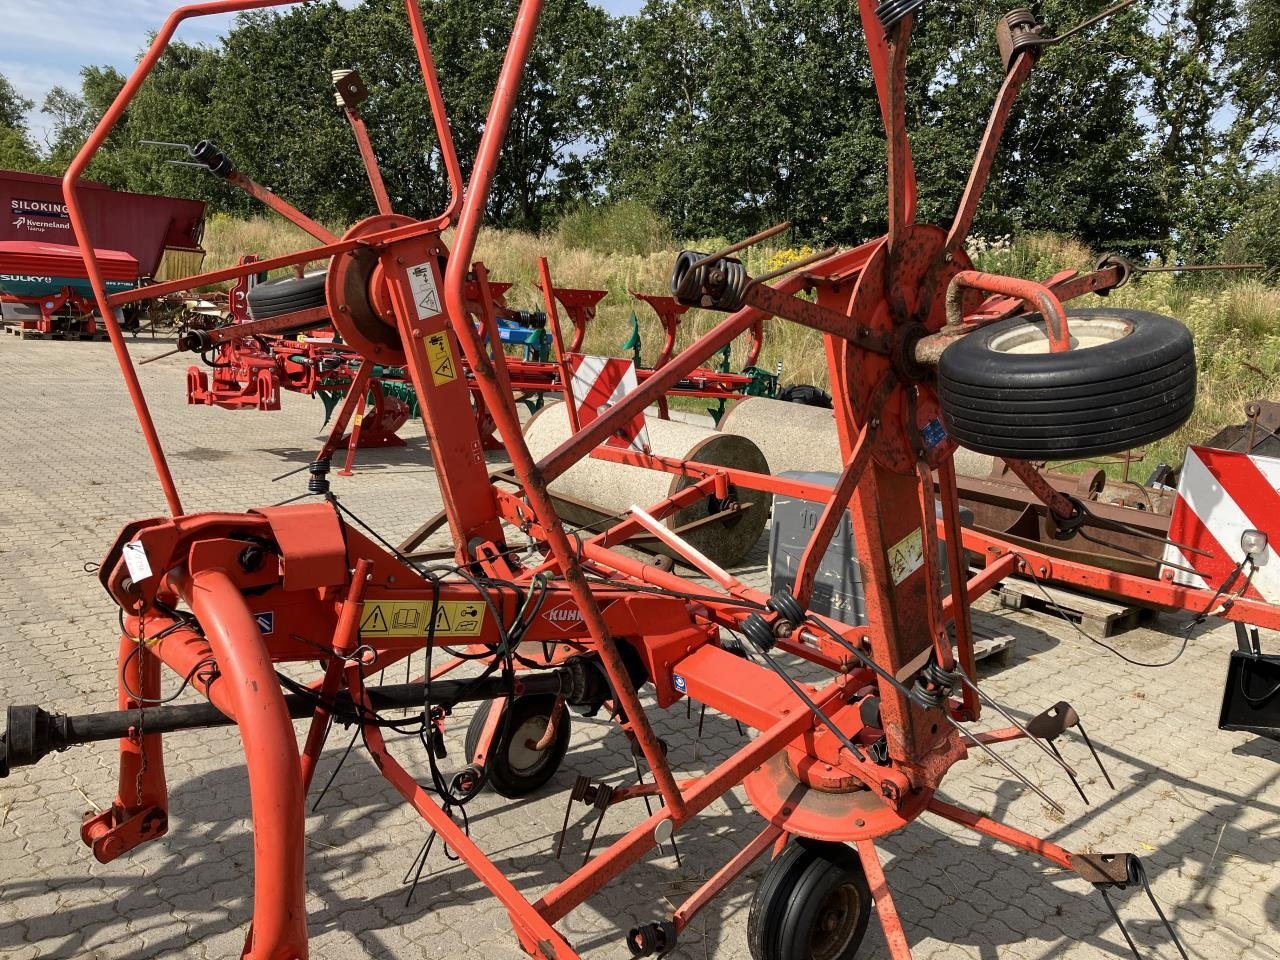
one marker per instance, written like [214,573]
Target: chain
[139,653]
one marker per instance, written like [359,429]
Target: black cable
[1199,618]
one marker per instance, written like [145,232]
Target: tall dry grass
[1236,323]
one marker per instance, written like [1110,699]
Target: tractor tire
[514,769]
[806,395]
[1128,379]
[813,903]
[287,295]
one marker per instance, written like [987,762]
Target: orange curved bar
[81,229]
[444,133]
[279,929]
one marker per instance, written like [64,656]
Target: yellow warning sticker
[409,618]
[440,358]
[906,556]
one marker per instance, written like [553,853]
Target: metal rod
[733,248]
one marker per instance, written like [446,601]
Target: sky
[44,43]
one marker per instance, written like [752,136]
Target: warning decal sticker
[906,556]
[422,281]
[440,359]
[408,618]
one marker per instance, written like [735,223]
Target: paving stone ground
[1201,806]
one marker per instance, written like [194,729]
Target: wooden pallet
[1097,617]
[25,333]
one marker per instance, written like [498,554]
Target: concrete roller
[593,490]
[796,437]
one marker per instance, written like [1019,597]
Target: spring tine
[1074,781]
[1053,755]
[594,833]
[333,776]
[688,709]
[733,248]
[702,716]
[1097,759]
[1008,766]
[420,861]
[738,723]
[1136,869]
[564,828]
[159,356]
[1120,923]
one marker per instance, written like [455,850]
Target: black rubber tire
[805,394]
[1115,395]
[507,777]
[287,295]
[810,886]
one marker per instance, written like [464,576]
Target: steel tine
[594,833]
[1120,923]
[420,861]
[1052,755]
[1136,869]
[1008,766]
[702,716]
[1074,781]
[1097,759]
[564,828]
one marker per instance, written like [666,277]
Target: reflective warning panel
[410,618]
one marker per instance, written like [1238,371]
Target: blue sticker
[933,433]
[679,682]
[266,621]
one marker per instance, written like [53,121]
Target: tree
[16,150]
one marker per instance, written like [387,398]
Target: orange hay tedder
[924,353]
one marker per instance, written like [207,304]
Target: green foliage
[1256,238]
[13,106]
[624,227]
[16,149]
[1150,134]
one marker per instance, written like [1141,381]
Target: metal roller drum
[595,490]
[797,437]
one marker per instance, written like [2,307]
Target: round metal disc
[896,296]
[353,303]
[785,801]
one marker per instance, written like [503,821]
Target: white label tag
[422,281]
[906,556]
[135,558]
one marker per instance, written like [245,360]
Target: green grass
[1235,322]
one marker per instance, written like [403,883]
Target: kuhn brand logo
[566,616]
[39,207]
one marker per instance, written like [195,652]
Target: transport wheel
[806,395]
[516,769]
[1128,379]
[287,295]
[813,904]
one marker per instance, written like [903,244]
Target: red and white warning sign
[600,382]
[1221,496]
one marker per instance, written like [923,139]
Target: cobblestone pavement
[1201,806]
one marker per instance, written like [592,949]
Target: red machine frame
[820,766]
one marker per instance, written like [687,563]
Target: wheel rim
[836,924]
[1086,333]
[522,758]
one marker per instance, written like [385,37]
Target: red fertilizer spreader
[45,287]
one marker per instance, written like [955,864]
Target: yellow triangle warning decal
[375,621]
[442,621]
